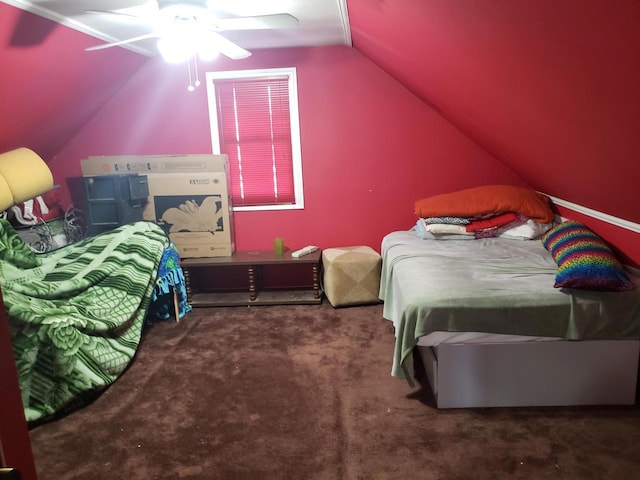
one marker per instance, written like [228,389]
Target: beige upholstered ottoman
[351,275]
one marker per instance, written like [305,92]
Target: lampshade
[6,197]
[23,175]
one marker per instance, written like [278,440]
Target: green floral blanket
[76,314]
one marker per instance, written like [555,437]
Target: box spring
[598,372]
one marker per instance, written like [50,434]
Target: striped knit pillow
[584,260]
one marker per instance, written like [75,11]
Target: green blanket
[76,313]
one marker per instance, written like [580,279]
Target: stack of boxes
[188,196]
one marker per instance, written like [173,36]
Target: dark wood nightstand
[253,278]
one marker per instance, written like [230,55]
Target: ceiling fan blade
[73,8]
[227,47]
[119,15]
[121,42]
[142,11]
[126,20]
[258,22]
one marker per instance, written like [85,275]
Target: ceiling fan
[185,28]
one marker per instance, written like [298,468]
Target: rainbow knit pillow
[584,260]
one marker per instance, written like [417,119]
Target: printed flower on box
[191,217]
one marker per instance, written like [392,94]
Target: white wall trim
[344,19]
[296,148]
[618,222]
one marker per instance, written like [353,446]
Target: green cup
[278,246]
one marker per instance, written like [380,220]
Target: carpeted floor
[304,392]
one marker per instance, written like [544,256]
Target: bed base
[602,372]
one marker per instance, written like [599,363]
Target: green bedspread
[76,314]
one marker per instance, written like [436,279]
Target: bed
[491,326]
[76,314]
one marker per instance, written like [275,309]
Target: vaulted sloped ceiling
[551,88]
[39,60]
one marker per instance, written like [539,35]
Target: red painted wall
[49,85]
[548,87]
[370,148]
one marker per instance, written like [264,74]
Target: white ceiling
[321,22]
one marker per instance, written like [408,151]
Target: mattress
[492,285]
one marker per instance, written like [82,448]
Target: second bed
[492,330]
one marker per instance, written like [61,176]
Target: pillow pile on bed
[488,211]
[584,260]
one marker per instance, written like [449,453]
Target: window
[253,116]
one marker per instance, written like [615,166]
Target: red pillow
[487,199]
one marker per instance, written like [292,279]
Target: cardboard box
[194,209]
[145,164]
[192,204]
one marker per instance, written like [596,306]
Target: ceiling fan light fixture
[182,44]
[207,49]
[175,49]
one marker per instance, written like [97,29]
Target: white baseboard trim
[605,217]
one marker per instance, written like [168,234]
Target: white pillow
[437,231]
[447,228]
[527,231]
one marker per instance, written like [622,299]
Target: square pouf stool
[351,275]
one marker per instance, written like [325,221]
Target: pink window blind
[255,133]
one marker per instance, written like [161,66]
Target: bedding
[584,260]
[76,313]
[499,220]
[421,230]
[447,229]
[527,231]
[495,199]
[447,220]
[490,285]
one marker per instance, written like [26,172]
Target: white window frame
[296,155]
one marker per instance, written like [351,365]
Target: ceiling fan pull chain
[191,87]
[195,81]
[195,64]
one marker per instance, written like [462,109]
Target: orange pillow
[487,199]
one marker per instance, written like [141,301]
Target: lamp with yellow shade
[23,175]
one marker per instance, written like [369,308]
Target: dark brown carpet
[304,392]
